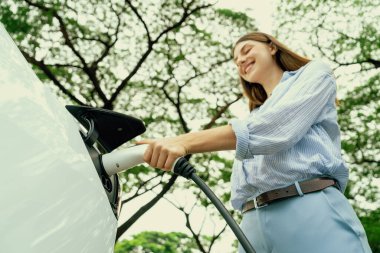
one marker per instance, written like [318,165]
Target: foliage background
[169,63]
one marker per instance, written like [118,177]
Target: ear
[273,48]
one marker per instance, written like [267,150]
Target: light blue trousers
[319,222]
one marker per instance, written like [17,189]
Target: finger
[169,162]
[155,155]
[148,154]
[161,160]
[146,141]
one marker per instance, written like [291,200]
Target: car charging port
[106,183]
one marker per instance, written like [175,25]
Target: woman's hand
[162,153]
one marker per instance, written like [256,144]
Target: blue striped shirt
[293,136]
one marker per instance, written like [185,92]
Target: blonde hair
[286,59]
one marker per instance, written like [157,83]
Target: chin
[251,79]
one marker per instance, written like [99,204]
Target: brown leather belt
[266,198]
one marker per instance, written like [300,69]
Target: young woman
[288,175]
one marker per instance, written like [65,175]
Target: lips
[248,67]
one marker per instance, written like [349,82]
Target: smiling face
[254,60]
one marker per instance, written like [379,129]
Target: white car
[54,194]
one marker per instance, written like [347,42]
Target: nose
[240,60]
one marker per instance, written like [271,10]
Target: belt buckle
[256,205]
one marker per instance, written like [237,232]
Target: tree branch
[177,103]
[188,225]
[137,194]
[108,45]
[215,237]
[220,112]
[58,65]
[142,21]
[205,72]
[125,81]
[124,227]
[90,72]
[185,15]
[51,76]
[376,63]
[195,236]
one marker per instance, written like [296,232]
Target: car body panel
[51,197]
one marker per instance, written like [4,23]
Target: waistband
[296,189]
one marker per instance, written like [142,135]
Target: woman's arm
[161,153]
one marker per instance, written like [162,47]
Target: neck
[272,78]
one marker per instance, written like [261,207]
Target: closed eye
[247,50]
[244,50]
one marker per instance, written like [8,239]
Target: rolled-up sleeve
[284,123]
[242,137]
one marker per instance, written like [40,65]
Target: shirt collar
[287,74]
